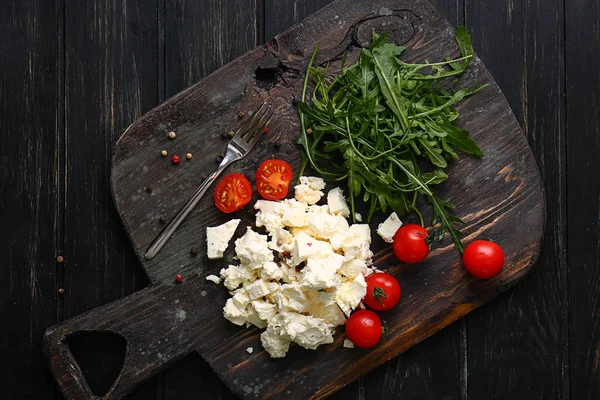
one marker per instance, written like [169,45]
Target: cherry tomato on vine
[364,329]
[383,291]
[273,179]
[233,192]
[411,243]
[483,259]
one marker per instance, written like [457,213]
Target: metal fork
[239,146]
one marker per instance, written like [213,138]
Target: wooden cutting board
[499,197]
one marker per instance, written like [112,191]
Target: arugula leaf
[379,119]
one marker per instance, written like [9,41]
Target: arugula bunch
[374,123]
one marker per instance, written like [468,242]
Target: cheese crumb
[348,344]
[250,350]
[218,237]
[337,203]
[388,228]
[214,279]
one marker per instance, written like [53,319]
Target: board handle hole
[100,355]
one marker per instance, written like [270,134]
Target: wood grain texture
[29,151]
[436,293]
[111,79]
[583,196]
[518,343]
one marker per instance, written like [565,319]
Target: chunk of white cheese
[307,195]
[320,273]
[324,226]
[292,298]
[253,249]
[250,350]
[355,242]
[337,203]
[218,237]
[274,344]
[271,271]
[265,310]
[279,239]
[329,313]
[313,182]
[294,216]
[348,344]
[257,289]
[233,313]
[349,294]
[235,275]
[351,268]
[389,227]
[213,279]
[307,331]
[269,214]
[305,246]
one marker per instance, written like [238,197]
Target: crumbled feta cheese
[313,182]
[329,313]
[269,214]
[253,249]
[236,275]
[270,270]
[337,203]
[388,228]
[274,344]
[348,344]
[291,297]
[320,273]
[257,289]
[233,313]
[318,279]
[213,279]
[358,217]
[351,268]
[265,310]
[294,216]
[349,294]
[306,194]
[279,239]
[307,331]
[354,242]
[316,209]
[218,237]
[324,226]
[250,350]
[254,319]
[307,246]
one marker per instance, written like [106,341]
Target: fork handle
[166,234]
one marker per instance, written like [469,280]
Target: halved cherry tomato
[410,243]
[363,328]
[383,291]
[233,192]
[483,259]
[273,179]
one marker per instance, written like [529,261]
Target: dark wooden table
[75,74]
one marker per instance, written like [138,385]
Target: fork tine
[245,128]
[253,138]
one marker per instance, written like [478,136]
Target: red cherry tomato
[383,291]
[273,179]
[233,192]
[363,328]
[483,259]
[410,243]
